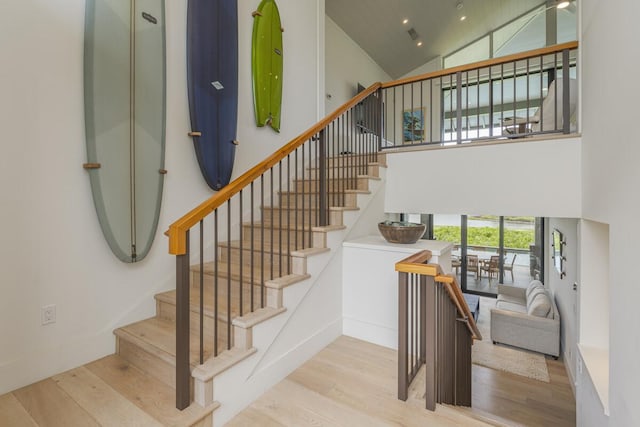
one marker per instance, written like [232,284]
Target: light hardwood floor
[353,383]
[349,383]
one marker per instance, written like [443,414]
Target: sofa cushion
[511,299]
[510,306]
[535,284]
[540,305]
[533,294]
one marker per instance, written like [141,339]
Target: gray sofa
[526,318]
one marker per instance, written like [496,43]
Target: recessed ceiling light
[463,17]
[419,44]
[405,21]
[562,4]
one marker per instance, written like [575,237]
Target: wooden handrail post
[183,371]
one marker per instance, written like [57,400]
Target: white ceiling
[376,25]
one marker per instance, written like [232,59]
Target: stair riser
[234,285]
[148,363]
[332,185]
[287,217]
[297,200]
[280,238]
[167,310]
[265,258]
[354,160]
[346,171]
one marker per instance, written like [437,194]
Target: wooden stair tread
[157,336]
[249,320]
[224,361]
[147,393]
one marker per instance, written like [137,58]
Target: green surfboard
[266,64]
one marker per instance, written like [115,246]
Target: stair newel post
[183,373]
[322,178]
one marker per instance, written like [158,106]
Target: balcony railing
[516,96]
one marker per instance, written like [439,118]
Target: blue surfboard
[212,78]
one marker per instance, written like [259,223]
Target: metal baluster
[228,275]
[241,258]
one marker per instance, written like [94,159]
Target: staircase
[261,278]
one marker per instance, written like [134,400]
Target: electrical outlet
[48,314]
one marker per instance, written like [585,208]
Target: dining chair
[473,265]
[509,267]
[492,267]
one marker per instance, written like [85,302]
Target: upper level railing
[525,94]
[436,329]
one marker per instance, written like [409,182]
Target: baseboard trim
[370,332]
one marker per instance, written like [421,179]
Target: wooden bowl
[401,232]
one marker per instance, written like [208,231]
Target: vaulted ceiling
[376,26]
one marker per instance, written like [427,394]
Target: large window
[542,26]
[490,249]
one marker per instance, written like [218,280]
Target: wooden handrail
[415,264]
[484,64]
[178,230]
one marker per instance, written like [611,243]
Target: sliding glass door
[491,249]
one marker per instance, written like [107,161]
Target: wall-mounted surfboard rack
[92,165]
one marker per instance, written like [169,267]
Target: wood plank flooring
[349,383]
[107,392]
[353,383]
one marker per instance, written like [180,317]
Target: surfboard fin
[255,13]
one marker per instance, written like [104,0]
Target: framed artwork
[413,125]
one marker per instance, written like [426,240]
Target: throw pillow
[540,306]
[535,284]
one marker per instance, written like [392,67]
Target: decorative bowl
[401,232]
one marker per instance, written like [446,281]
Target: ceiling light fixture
[405,21]
[459,7]
[562,4]
[419,44]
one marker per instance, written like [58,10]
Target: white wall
[610,181]
[428,67]
[346,66]
[562,288]
[54,251]
[533,178]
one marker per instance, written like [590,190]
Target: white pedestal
[370,285]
